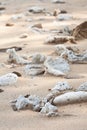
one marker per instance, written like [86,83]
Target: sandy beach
[74,116]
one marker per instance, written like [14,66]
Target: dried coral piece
[61,86]
[71,54]
[70,97]
[57,67]
[15,58]
[59,39]
[8,79]
[34,69]
[58,1]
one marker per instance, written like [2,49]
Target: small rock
[63,12]
[80,32]
[17,73]
[37,26]
[58,1]
[24,35]
[9,24]
[2,8]
[1,90]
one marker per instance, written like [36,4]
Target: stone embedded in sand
[49,109]
[2,8]
[64,16]
[17,73]
[37,26]
[82,87]
[70,97]
[56,12]
[36,9]
[15,58]
[58,1]
[59,39]
[34,69]
[57,67]
[61,86]
[80,32]
[9,24]
[1,90]
[8,79]
[15,47]
[25,35]
[63,12]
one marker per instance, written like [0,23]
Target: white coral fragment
[61,86]
[70,97]
[8,79]
[49,109]
[82,87]
[15,58]
[57,67]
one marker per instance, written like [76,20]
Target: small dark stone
[2,8]
[17,73]
[1,90]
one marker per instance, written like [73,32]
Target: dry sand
[73,117]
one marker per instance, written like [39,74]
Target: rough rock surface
[80,32]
